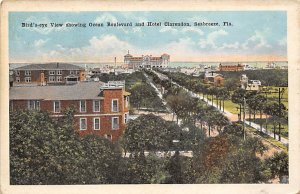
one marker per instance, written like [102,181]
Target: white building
[146,61]
[246,84]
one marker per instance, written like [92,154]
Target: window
[125,118]
[96,123]
[82,106]
[33,105]
[115,123]
[108,136]
[18,73]
[77,72]
[126,101]
[71,72]
[51,72]
[114,106]
[56,106]
[96,105]
[17,79]
[58,78]
[82,123]
[58,72]
[27,72]
[51,78]
[28,79]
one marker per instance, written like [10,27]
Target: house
[253,85]
[231,67]
[101,108]
[213,78]
[47,74]
[147,61]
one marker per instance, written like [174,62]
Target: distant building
[101,108]
[190,71]
[247,67]
[147,61]
[213,78]
[48,74]
[246,84]
[231,67]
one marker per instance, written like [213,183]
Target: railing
[113,84]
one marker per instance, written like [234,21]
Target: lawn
[274,96]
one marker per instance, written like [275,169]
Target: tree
[238,97]
[278,165]
[229,159]
[223,94]
[45,150]
[257,103]
[278,113]
[234,129]
[231,84]
[149,132]
[221,121]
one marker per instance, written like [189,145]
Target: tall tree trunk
[249,116]
[261,120]
[212,100]
[240,112]
[266,122]
[208,130]
[274,130]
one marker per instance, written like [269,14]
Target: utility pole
[244,124]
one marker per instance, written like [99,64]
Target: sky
[253,36]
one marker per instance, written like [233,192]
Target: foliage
[268,77]
[48,151]
[278,165]
[149,133]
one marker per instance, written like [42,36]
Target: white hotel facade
[146,61]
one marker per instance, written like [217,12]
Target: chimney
[212,73]
[57,65]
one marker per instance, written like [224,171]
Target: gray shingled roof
[50,66]
[82,90]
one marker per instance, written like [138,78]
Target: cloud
[193,29]
[256,41]
[39,43]
[211,39]
[234,45]
[102,48]
[168,29]
[282,42]
[106,17]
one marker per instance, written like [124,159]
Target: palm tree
[238,98]
[221,121]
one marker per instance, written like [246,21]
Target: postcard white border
[293,11]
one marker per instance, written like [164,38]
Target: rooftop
[82,90]
[50,66]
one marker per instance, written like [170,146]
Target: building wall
[230,68]
[36,76]
[218,81]
[105,113]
